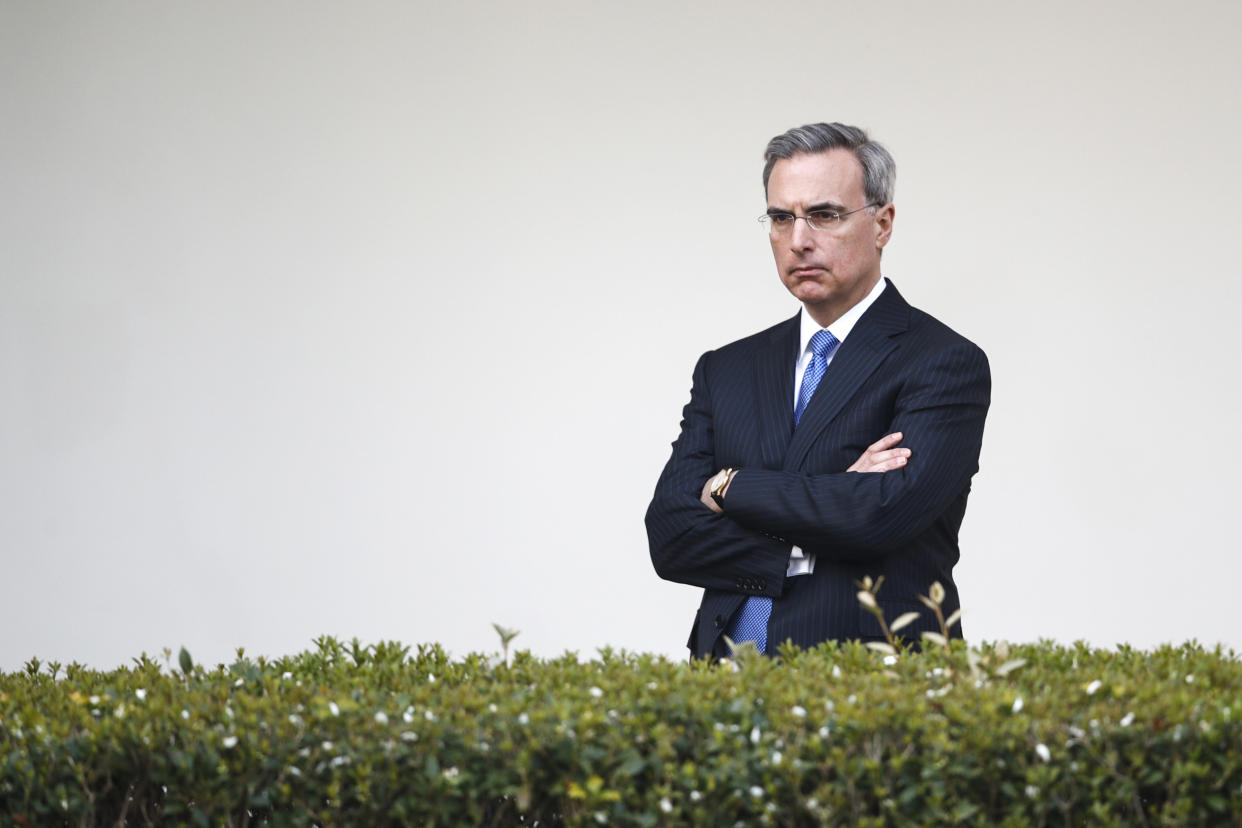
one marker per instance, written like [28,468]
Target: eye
[825,217]
[781,219]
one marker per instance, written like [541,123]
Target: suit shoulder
[931,332]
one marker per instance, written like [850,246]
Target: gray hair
[879,168]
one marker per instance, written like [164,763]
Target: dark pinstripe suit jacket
[898,370]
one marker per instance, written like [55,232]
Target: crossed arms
[938,418]
[880,456]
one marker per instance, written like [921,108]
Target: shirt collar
[842,327]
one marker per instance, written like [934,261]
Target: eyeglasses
[781,223]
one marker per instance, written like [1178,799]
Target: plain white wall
[377,319]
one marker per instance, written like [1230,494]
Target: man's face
[828,270]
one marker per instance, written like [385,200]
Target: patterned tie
[822,346]
[751,623]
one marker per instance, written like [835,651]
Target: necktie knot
[822,343]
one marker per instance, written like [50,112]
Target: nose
[800,237]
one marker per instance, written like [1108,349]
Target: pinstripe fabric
[751,622]
[899,370]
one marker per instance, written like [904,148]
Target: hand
[880,456]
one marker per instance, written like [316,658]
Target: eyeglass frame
[767,218]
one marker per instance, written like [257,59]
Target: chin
[811,295]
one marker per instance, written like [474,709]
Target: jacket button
[719,621]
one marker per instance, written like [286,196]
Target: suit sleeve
[689,542]
[857,516]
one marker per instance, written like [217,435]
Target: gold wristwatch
[719,482]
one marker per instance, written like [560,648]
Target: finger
[888,465]
[887,441]
[885,456]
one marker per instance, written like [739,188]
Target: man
[836,445]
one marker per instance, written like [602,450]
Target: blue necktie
[822,346]
[751,622]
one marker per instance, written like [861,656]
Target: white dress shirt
[799,562]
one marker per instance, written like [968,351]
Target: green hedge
[350,735]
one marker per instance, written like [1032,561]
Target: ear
[884,225]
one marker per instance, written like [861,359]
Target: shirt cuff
[800,563]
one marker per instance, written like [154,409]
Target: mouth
[805,271]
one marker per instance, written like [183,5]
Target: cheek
[846,255]
[780,255]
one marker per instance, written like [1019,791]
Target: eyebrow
[823,205]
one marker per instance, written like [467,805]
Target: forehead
[816,178]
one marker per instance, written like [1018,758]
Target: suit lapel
[774,392]
[867,345]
